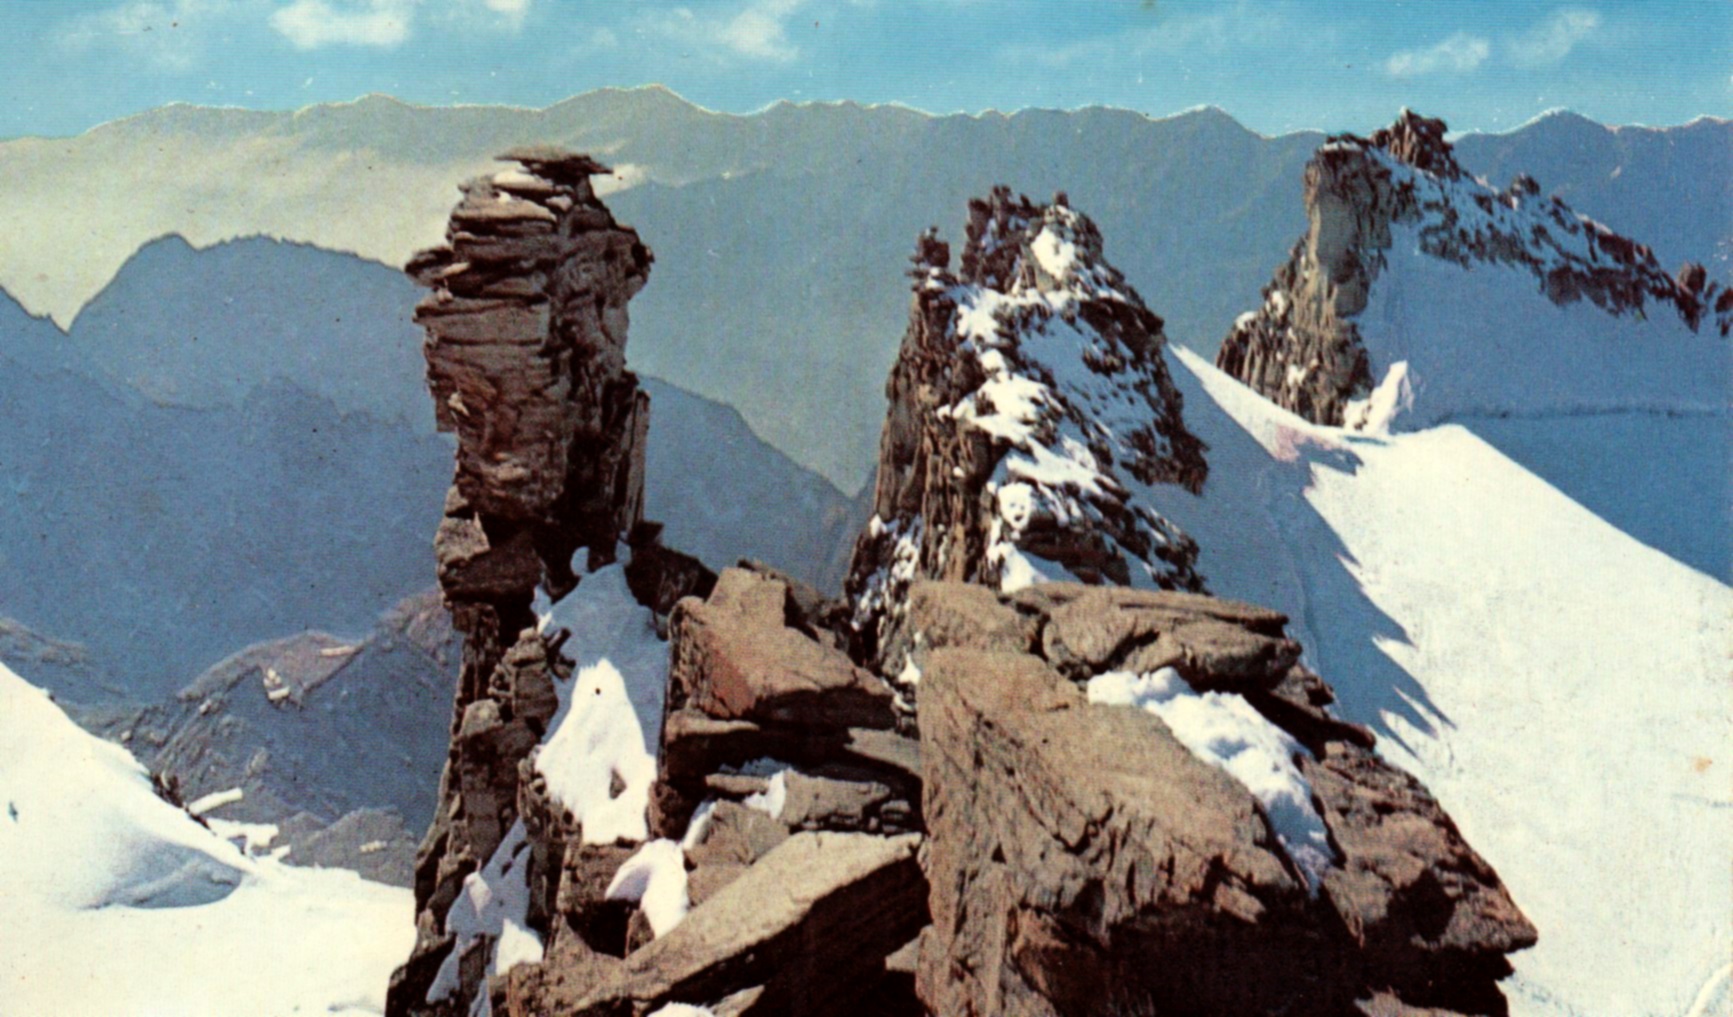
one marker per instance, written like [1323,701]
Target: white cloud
[170,36]
[1553,39]
[1458,54]
[311,24]
[512,12]
[755,29]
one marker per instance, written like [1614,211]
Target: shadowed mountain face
[202,328]
[725,494]
[279,471]
[773,229]
[164,538]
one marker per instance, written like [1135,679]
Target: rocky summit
[1028,405]
[1024,766]
[1370,202]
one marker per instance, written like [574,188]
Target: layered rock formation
[786,810]
[1028,404]
[1371,199]
[526,336]
[1138,802]
[559,873]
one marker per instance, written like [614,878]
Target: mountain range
[777,224]
[208,458]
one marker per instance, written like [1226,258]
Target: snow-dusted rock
[810,922]
[526,336]
[1029,405]
[1457,298]
[1076,836]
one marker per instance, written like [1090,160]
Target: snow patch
[771,800]
[655,878]
[593,748]
[1056,255]
[1224,730]
[215,800]
[1375,413]
[596,755]
[491,900]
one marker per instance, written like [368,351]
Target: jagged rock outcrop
[764,858]
[526,339]
[1028,404]
[1108,795]
[1367,199]
[785,811]
[1137,803]
[1135,800]
[803,930]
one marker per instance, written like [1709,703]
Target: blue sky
[67,65]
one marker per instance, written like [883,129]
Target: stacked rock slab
[790,804]
[526,357]
[1302,349]
[1083,860]
[1028,403]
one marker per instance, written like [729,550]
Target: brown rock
[822,803]
[1069,844]
[733,658]
[526,327]
[736,835]
[811,922]
[1428,911]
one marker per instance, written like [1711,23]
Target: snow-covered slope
[120,903]
[1480,338]
[1559,685]
[1422,295]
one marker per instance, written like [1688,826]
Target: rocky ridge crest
[1049,830]
[1302,348]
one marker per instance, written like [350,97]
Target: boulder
[736,659]
[1071,845]
[1430,915]
[805,931]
